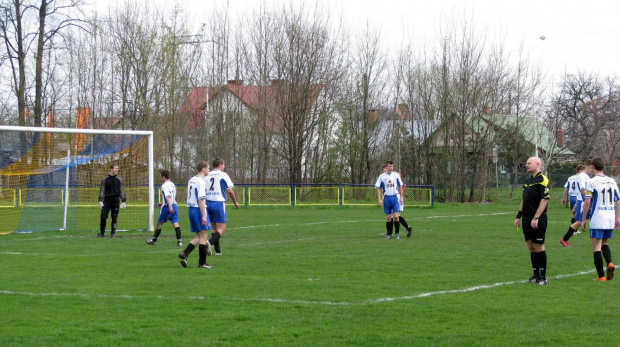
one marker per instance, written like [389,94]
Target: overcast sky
[579,35]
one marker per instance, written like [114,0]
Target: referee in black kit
[110,194]
[533,210]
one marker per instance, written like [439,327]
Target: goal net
[50,178]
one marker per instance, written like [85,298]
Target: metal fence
[246,194]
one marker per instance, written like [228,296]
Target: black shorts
[535,235]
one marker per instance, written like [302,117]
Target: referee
[533,211]
[110,196]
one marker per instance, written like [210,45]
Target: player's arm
[122,193]
[203,210]
[169,202]
[542,205]
[617,224]
[519,214]
[122,190]
[231,193]
[586,207]
[379,197]
[102,190]
[541,208]
[565,195]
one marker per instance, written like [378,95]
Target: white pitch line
[286,225]
[409,297]
[288,301]
[371,220]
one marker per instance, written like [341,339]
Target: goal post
[50,177]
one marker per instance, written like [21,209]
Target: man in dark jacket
[111,198]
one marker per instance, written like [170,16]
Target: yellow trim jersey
[535,189]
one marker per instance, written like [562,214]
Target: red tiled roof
[250,96]
[106,122]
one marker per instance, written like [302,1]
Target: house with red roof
[271,112]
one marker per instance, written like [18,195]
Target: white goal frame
[148,133]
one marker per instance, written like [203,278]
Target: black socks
[388,227]
[539,264]
[598,263]
[156,235]
[606,254]
[177,231]
[569,233]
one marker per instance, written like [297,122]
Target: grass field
[310,276]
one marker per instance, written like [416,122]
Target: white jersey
[196,190]
[605,194]
[572,186]
[583,179]
[217,183]
[168,190]
[389,183]
[402,206]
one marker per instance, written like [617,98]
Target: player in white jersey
[169,209]
[583,178]
[401,219]
[198,219]
[218,185]
[390,185]
[602,204]
[571,191]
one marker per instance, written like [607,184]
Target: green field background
[310,276]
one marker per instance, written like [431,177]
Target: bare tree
[361,101]
[587,107]
[299,57]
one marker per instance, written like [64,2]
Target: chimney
[235,82]
[374,115]
[559,137]
[278,83]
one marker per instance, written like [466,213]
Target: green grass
[310,276]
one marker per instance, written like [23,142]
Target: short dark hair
[598,163]
[217,162]
[588,162]
[201,165]
[389,162]
[112,165]
[165,173]
[580,167]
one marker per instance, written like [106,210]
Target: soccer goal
[50,177]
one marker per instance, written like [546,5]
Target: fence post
[293,195]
